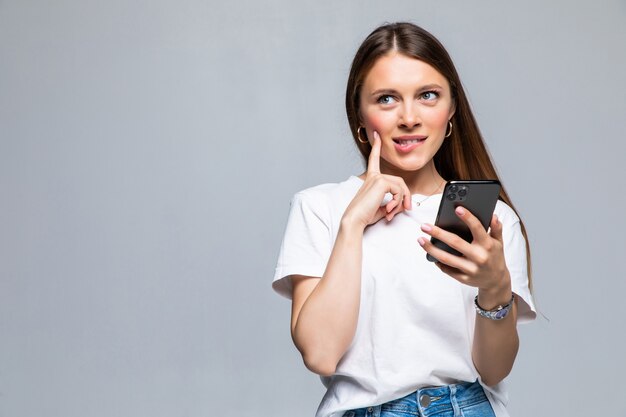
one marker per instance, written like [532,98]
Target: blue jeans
[465,399]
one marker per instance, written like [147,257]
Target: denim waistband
[446,400]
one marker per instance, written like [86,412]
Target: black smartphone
[477,196]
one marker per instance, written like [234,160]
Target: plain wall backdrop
[149,151]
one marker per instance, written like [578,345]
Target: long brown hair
[463,156]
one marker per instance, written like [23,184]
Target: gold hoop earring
[450,132]
[358,136]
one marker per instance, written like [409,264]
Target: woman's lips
[408,143]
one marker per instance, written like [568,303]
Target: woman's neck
[425,181]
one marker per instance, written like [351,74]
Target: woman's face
[409,104]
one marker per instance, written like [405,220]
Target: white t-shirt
[416,324]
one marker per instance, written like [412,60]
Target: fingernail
[421,241]
[376,135]
[460,210]
[426,227]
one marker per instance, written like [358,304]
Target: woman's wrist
[490,298]
[350,225]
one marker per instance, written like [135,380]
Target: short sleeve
[306,245]
[515,257]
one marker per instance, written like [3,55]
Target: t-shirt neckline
[360,182]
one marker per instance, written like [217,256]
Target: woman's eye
[430,95]
[385,99]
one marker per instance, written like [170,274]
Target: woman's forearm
[495,341]
[327,320]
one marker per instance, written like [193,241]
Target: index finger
[478,231]
[373,162]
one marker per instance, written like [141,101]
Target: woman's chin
[412,165]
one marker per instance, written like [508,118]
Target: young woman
[389,332]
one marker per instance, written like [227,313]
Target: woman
[388,331]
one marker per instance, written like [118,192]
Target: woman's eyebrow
[430,87]
[384,91]
[392,91]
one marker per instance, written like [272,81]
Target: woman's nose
[409,117]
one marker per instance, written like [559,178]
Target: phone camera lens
[463,192]
[451,196]
[453,188]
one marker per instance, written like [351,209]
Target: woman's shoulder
[327,202]
[505,213]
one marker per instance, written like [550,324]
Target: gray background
[149,150]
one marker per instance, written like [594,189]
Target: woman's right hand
[365,208]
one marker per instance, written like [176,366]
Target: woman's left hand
[482,264]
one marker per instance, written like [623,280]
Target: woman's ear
[452,109]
